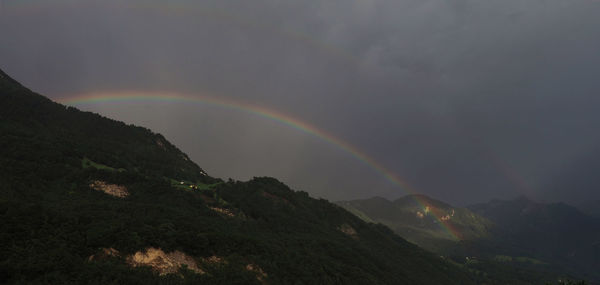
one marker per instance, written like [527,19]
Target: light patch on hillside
[162,262]
[161,144]
[447,216]
[110,189]
[104,253]
[223,211]
[427,209]
[276,198]
[350,231]
[261,275]
[214,260]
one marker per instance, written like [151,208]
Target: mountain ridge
[420,218]
[86,199]
[519,232]
[555,232]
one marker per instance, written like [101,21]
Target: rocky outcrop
[162,262]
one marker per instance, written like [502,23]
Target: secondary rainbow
[138,96]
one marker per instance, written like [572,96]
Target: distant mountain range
[555,233]
[547,237]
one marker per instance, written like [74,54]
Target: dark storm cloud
[466,100]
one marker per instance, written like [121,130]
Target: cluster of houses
[192,186]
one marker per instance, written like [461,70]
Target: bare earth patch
[261,275]
[447,216]
[162,262]
[157,259]
[347,229]
[214,259]
[223,211]
[276,198]
[104,253]
[160,144]
[110,189]
[170,262]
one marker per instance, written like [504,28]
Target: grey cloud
[466,100]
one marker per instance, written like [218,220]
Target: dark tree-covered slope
[61,134]
[59,225]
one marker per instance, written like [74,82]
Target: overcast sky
[465,100]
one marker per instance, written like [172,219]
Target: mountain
[556,233]
[86,199]
[501,239]
[421,219]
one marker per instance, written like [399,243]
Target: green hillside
[477,238]
[89,200]
[429,223]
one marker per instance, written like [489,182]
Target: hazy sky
[465,100]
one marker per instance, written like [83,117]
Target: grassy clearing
[207,189]
[190,185]
[87,163]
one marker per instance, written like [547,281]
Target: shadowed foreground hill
[86,199]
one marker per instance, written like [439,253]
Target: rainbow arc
[269,114]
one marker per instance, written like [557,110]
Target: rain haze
[462,100]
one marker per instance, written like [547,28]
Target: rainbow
[185,8]
[136,96]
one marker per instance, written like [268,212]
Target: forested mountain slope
[86,199]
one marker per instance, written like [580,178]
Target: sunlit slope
[421,219]
[86,199]
[504,242]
